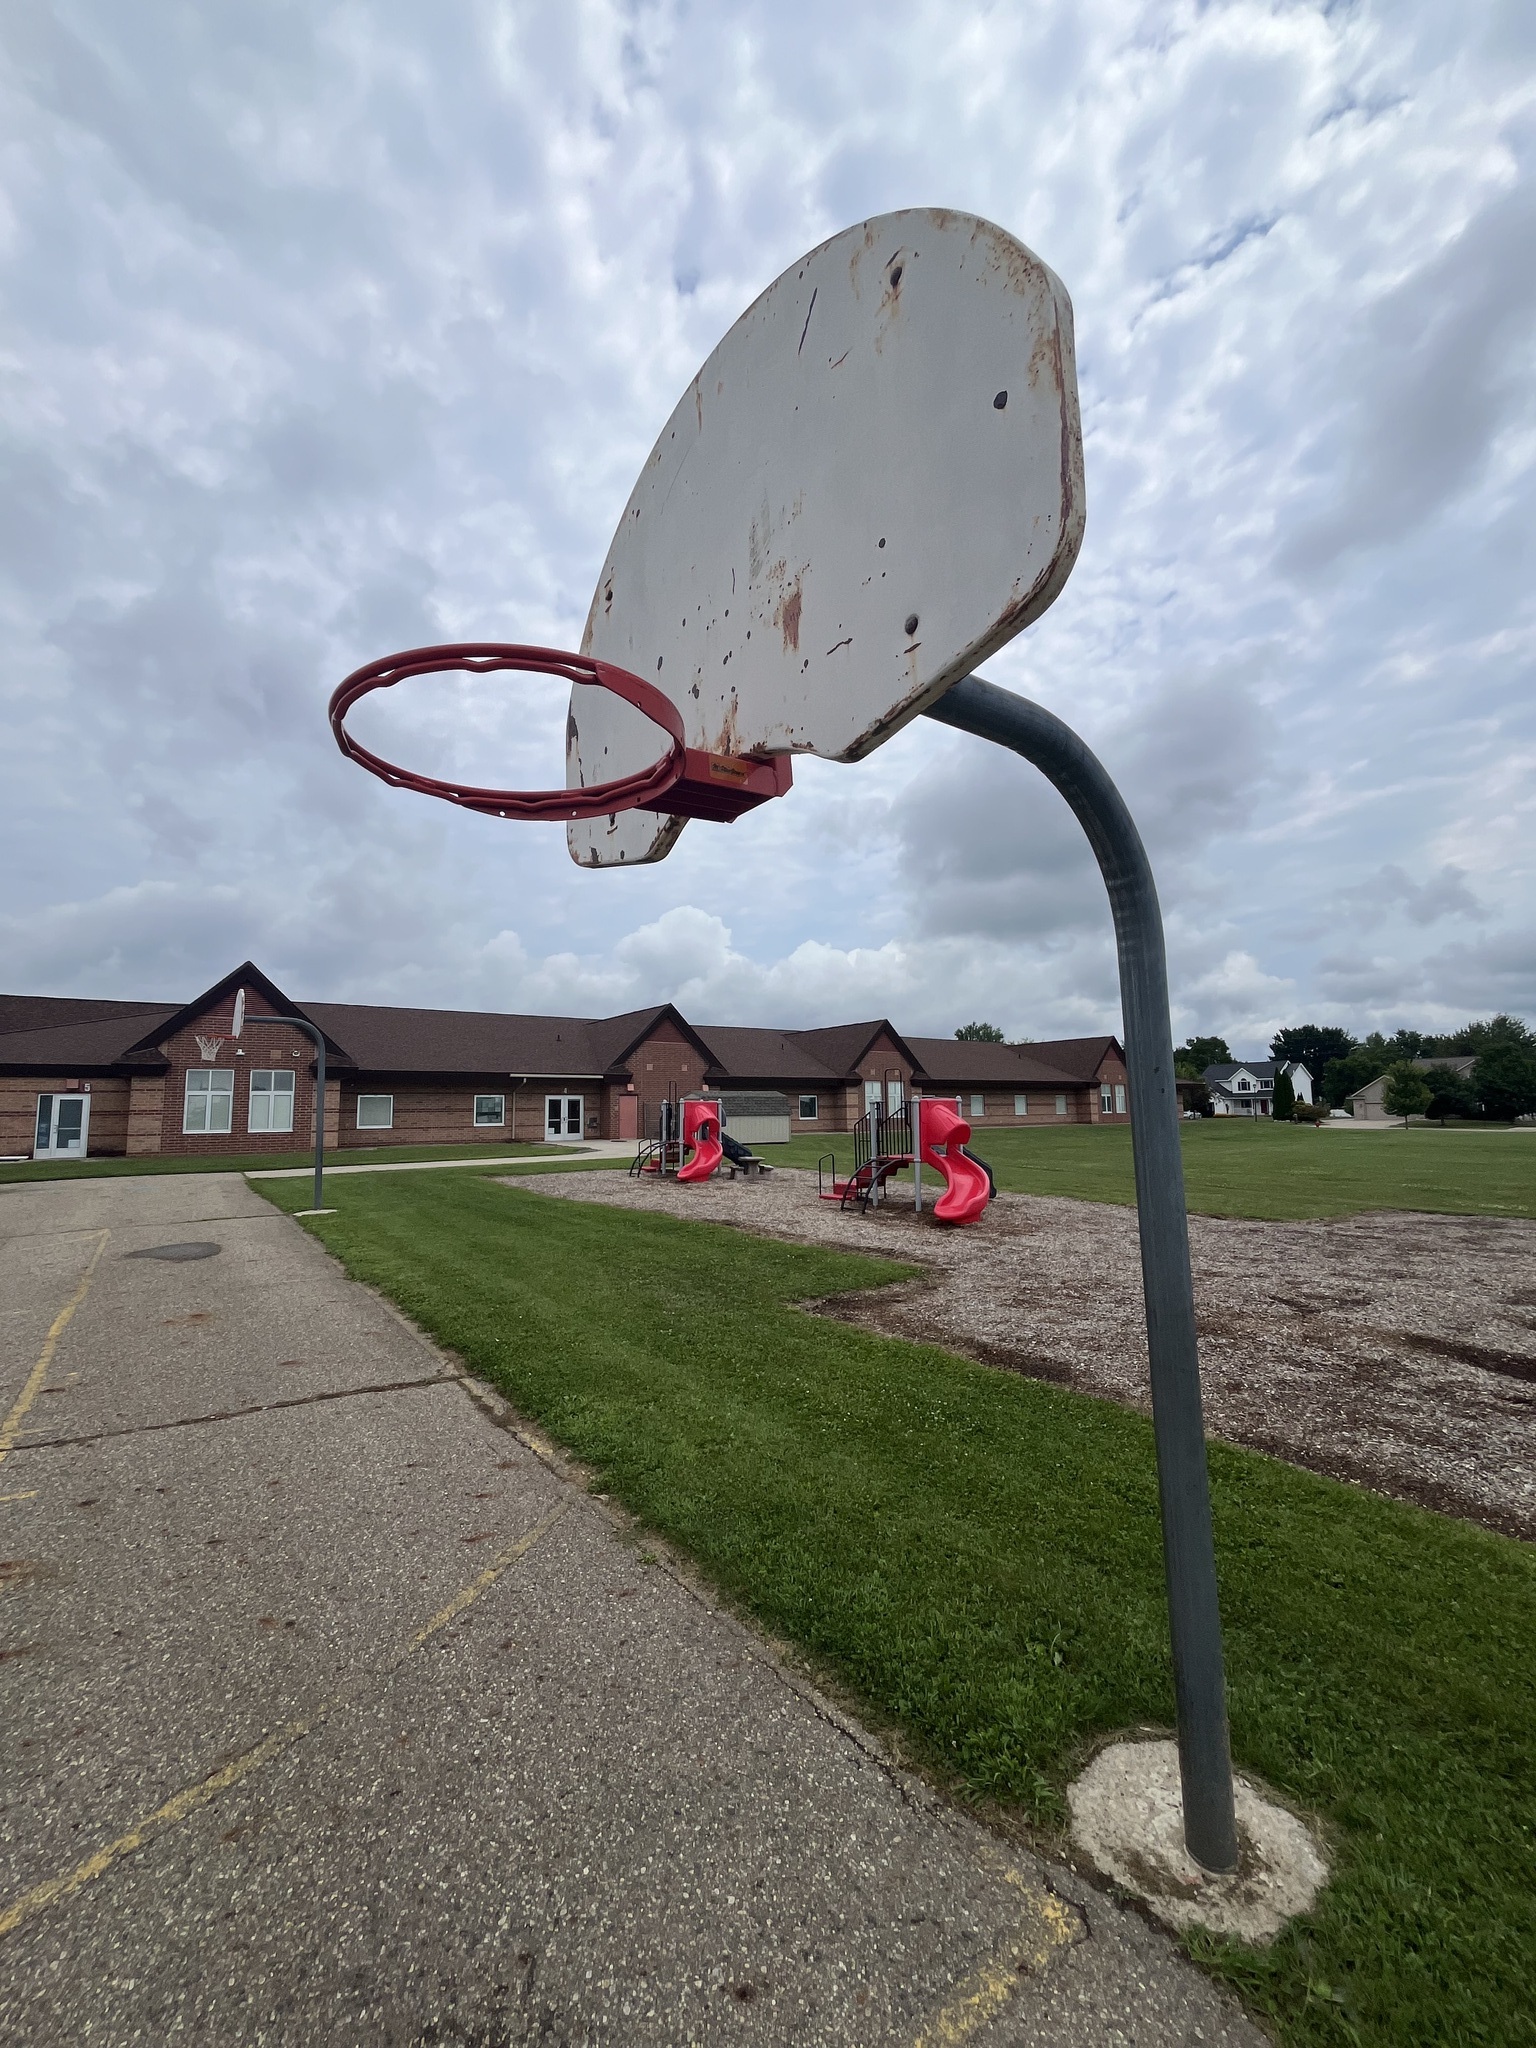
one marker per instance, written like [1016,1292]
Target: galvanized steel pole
[976,706]
[313,1032]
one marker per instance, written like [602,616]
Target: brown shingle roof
[49,1013]
[972,1062]
[95,1042]
[385,1040]
[740,1052]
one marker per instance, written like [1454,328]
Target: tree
[1313,1045]
[1196,1054]
[1284,1106]
[1406,1093]
[1450,1094]
[1483,1036]
[984,1034]
[1505,1080]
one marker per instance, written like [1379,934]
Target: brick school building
[82,1077]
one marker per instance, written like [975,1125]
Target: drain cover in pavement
[174,1251]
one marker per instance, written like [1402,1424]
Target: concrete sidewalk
[332,1711]
[615,1150]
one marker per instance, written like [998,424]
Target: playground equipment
[882,1146]
[943,1135]
[873,483]
[701,1140]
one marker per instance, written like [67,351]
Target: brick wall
[665,1062]
[146,1114]
[1000,1110]
[260,1045]
[443,1112]
[108,1132]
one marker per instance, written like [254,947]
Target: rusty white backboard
[874,482]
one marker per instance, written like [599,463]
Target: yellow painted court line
[193,1797]
[20,1496]
[11,1428]
[1051,1925]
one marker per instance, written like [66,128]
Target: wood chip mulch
[1394,1350]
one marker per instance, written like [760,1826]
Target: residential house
[1366,1103]
[1247,1087]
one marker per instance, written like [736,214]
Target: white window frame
[1061,1105]
[208,1095]
[386,1123]
[874,1097]
[1021,1105]
[1119,1098]
[804,1115]
[488,1122]
[978,1106]
[271,1096]
[1106,1099]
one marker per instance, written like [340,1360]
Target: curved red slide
[970,1188]
[701,1131]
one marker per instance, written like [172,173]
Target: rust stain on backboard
[788,616]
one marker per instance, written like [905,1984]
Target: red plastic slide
[701,1131]
[970,1187]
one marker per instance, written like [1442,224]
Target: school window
[375,1112]
[1106,1099]
[978,1105]
[210,1099]
[271,1105]
[490,1109]
[807,1109]
[1061,1105]
[1021,1105]
[1119,1098]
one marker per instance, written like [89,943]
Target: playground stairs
[882,1145]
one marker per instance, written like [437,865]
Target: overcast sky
[330,330]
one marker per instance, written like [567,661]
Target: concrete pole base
[1127,1820]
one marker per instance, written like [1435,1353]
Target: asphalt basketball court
[334,1710]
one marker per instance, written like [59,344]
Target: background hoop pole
[313,1032]
[1189,1554]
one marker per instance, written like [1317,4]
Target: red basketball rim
[597,800]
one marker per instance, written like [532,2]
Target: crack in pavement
[437,1379]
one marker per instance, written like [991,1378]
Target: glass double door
[63,1126]
[563,1116]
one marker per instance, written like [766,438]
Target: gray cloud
[1437,370]
[327,334]
[1390,891]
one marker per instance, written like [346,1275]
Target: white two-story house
[1247,1087]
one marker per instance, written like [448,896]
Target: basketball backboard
[874,481]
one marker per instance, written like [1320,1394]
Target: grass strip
[976,1557]
[1241,1166]
[109,1168]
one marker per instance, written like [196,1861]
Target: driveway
[334,1710]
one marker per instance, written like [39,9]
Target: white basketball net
[208,1047]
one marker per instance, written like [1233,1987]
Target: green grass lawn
[90,1169]
[1249,1167]
[975,1558]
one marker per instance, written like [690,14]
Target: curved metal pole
[1205,1761]
[311,1031]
